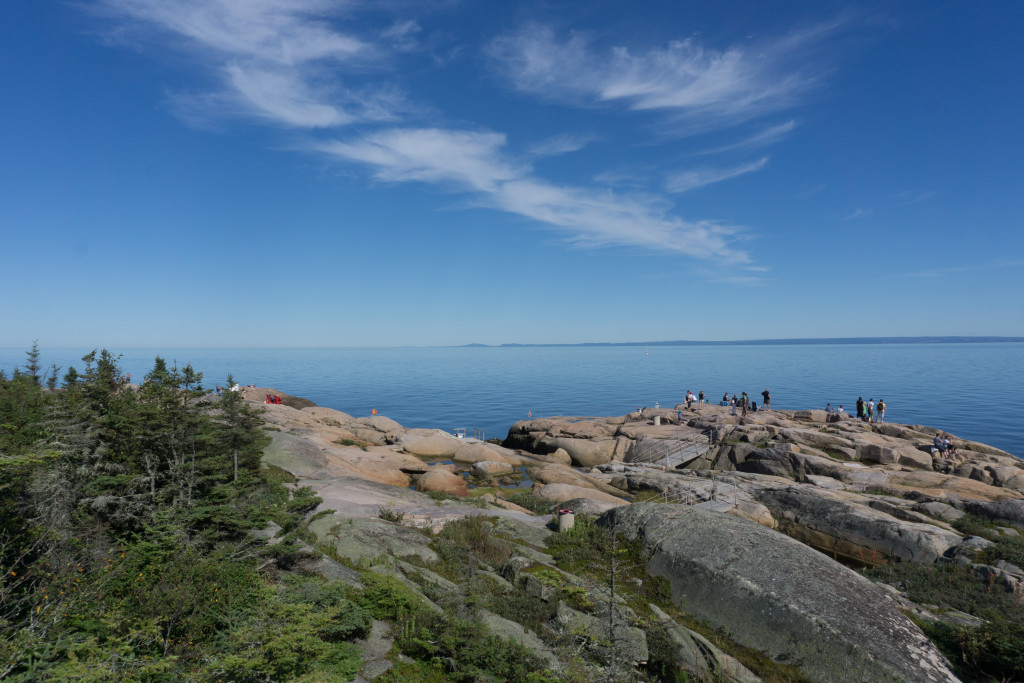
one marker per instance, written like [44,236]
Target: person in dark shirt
[766,404]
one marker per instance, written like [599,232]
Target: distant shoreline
[777,342]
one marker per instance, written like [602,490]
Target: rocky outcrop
[779,596]
[359,539]
[698,656]
[858,492]
[560,493]
[602,633]
[837,523]
[443,480]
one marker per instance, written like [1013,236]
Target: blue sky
[343,173]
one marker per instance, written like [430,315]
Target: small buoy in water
[373,412]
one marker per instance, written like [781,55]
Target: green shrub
[530,501]
[973,525]
[349,620]
[388,514]
[464,541]
[527,610]
[386,598]
[440,496]
[994,650]
[1009,548]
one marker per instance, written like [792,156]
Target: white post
[566,520]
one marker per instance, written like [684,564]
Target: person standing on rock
[744,402]
[860,407]
[733,403]
[700,400]
[881,410]
[871,410]
[766,404]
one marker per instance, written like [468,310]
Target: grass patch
[277,475]
[993,651]
[441,496]
[351,442]
[388,514]
[465,542]
[531,501]
[447,647]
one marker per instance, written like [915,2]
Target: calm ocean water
[975,391]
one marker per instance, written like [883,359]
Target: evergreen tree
[32,367]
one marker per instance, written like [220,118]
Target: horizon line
[946,339]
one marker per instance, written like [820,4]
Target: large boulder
[698,656]
[583,452]
[1003,511]
[787,463]
[443,481]
[359,539]
[294,454]
[837,523]
[478,451]
[435,445]
[490,468]
[560,474]
[777,595]
[559,493]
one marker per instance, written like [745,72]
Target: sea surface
[973,390]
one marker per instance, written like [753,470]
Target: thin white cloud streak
[714,88]
[944,271]
[907,197]
[765,138]
[690,180]
[858,213]
[474,162]
[814,189]
[282,98]
[559,144]
[278,59]
[285,32]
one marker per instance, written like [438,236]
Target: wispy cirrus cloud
[284,62]
[685,181]
[763,138]
[946,270]
[476,162]
[858,213]
[912,197]
[560,144]
[708,87]
[278,60]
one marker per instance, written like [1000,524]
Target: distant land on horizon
[781,342]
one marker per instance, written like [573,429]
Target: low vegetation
[991,651]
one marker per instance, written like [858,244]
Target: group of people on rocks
[866,411]
[744,404]
[691,399]
[942,445]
